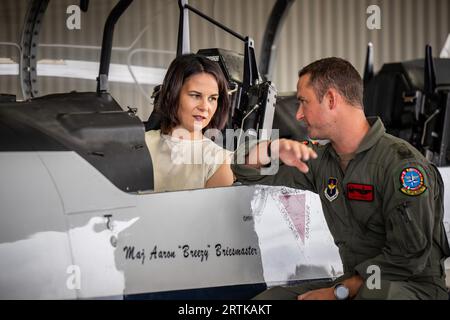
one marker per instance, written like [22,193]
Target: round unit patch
[412,182]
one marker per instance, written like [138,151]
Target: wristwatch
[341,292]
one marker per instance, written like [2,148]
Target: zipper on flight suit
[411,237]
[404,212]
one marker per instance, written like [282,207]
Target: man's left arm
[411,208]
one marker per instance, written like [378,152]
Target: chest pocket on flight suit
[364,203]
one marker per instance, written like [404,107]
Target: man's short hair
[335,73]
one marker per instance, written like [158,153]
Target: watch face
[341,292]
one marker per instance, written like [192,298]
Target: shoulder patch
[412,182]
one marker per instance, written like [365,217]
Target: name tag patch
[360,192]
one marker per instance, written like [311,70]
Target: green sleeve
[277,174]
[411,206]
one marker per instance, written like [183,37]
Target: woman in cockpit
[193,99]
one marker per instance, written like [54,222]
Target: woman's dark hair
[183,67]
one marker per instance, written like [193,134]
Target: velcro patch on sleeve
[412,182]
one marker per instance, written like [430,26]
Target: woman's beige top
[180,164]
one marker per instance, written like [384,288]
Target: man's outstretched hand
[292,153]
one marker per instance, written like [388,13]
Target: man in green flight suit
[382,200]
